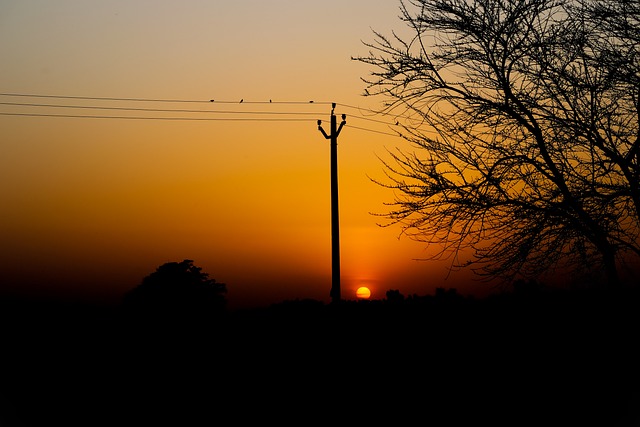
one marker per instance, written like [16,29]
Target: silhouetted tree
[525,116]
[394,296]
[450,294]
[177,291]
[526,287]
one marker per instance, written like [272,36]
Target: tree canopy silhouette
[177,290]
[524,116]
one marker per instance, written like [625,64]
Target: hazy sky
[92,205]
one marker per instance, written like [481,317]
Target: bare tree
[524,115]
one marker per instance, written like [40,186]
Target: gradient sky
[92,205]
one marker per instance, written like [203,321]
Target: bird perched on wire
[241,100]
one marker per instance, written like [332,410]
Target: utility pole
[335,224]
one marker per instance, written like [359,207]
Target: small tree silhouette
[394,296]
[177,291]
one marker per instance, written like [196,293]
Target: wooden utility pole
[335,223]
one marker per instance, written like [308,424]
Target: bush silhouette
[177,290]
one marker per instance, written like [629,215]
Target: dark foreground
[561,361]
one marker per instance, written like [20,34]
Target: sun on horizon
[363,292]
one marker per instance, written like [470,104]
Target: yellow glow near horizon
[363,292]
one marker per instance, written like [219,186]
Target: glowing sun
[363,292]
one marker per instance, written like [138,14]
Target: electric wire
[98,98]
[372,130]
[77,116]
[371,120]
[358,116]
[103,98]
[373,113]
[156,110]
[174,110]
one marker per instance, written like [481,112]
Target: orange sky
[92,205]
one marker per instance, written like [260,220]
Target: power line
[176,110]
[162,110]
[358,116]
[98,98]
[360,109]
[274,102]
[373,112]
[372,130]
[102,98]
[254,119]
[76,116]
[373,120]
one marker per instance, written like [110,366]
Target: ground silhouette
[517,359]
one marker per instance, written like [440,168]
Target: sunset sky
[97,196]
